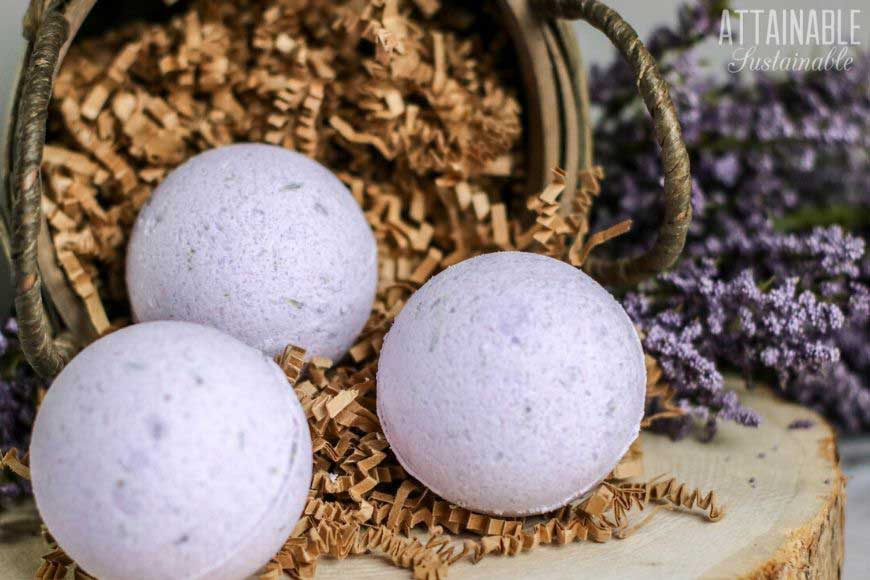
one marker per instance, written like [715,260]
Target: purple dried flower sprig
[801,424]
[781,171]
[18,388]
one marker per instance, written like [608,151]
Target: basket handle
[48,31]
[675,160]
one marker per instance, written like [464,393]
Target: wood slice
[782,490]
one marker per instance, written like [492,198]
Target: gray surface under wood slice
[782,491]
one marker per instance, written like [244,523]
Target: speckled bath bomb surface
[169,450]
[511,384]
[260,242]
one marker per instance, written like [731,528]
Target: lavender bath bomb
[170,450]
[260,242]
[511,384]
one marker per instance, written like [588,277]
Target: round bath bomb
[260,242]
[170,450]
[511,384]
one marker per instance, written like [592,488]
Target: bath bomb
[511,384]
[260,242]
[170,450]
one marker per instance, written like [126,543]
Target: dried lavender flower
[781,167]
[801,424]
[18,387]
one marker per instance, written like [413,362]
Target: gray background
[11,48]
[645,16]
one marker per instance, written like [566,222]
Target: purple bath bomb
[170,450]
[511,384]
[260,242]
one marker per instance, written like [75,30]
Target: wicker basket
[52,320]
